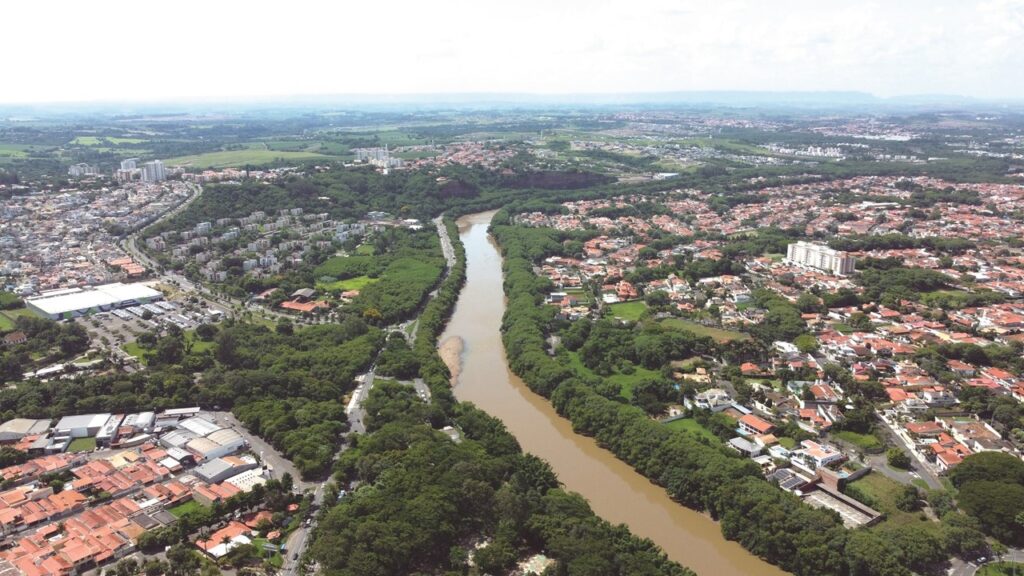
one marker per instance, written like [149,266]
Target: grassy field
[13,151]
[691,425]
[787,442]
[9,317]
[866,442]
[365,250]
[625,382]
[1001,569]
[883,493]
[357,283]
[628,310]
[184,508]
[82,445]
[718,334]
[97,140]
[235,158]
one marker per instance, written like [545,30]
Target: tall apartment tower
[821,257]
[154,171]
[129,163]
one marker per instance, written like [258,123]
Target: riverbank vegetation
[427,504]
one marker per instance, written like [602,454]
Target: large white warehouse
[73,302]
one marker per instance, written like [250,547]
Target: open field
[691,425]
[625,382]
[357,283]
[235,158]
[97,140]
[628,310]
[718,334]
[10,152]
[866,442]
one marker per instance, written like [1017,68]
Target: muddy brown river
[472,346]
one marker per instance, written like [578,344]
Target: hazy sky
[113,50]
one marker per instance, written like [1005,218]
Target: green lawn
[184,508]
[357,283]
[787,442]
[1001,569]
[691,425]
[6,323]
[584,296]
[365,250]
[134,349]
[82,445]
[866,442]
[718,334]
[628,310]
[276,560]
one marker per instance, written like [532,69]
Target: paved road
[267,453]
[922,467]
[422,390]
[961,568]
[446,242]
[299,539]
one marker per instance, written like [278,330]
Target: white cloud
[116,50]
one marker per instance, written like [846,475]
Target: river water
[472,346]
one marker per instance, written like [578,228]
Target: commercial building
[73,302]
[821,257]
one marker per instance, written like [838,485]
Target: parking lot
[118,327]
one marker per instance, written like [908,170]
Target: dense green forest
[424,501]
[285,385]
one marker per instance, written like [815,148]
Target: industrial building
[219,469]
[81,426]
[74,302]
[14,430]
[821,257]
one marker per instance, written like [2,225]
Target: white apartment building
[821,257]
